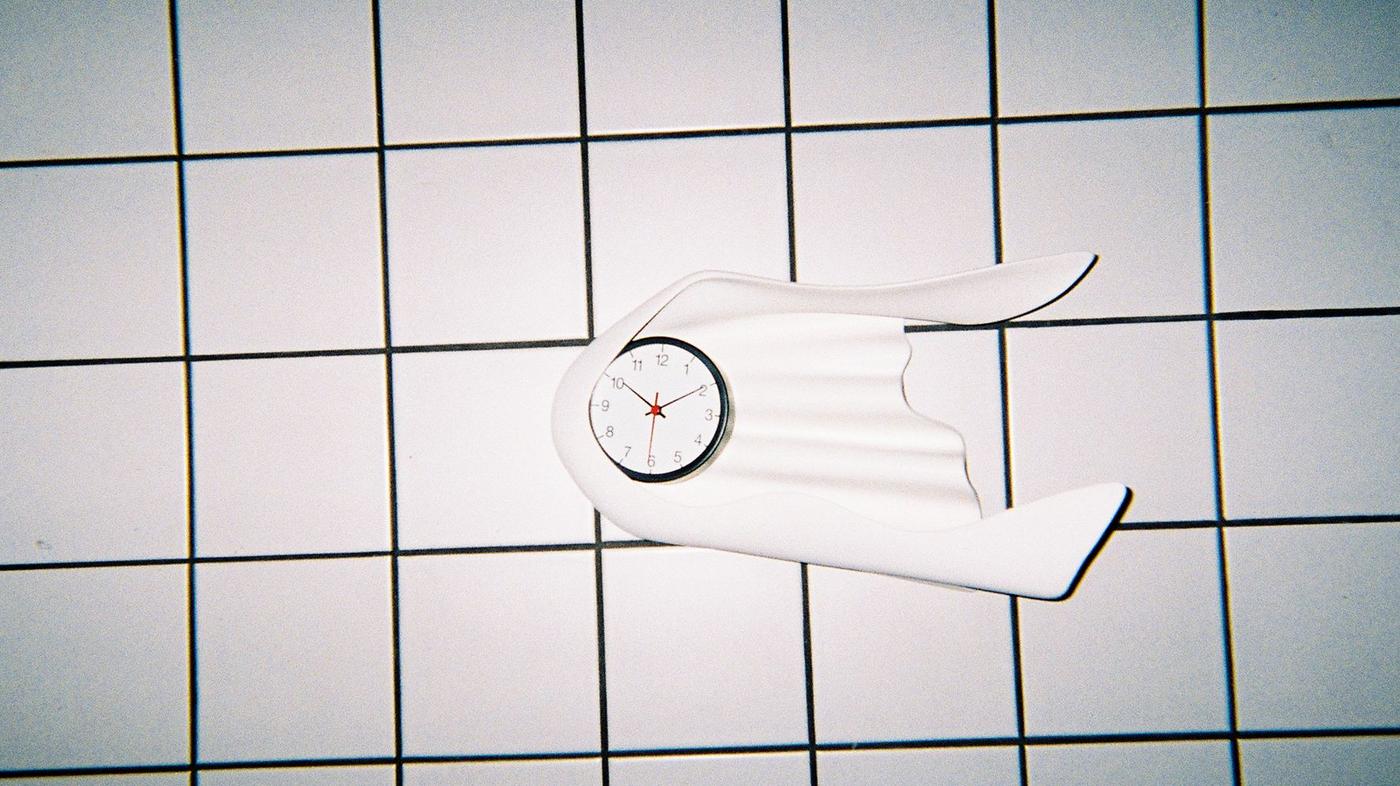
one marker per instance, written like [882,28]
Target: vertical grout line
[390,457]
[1213,378]
[807,675]
[177,114]
[603,758]
[803,570]
[1014,603]
[583,162]
[787,143]
[602,646]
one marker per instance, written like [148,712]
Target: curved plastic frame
[848,476]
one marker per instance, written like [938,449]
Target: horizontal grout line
[1303,106]
[481,346]
[637,136]
[958,742]
[1389,518]
[1306,313]
[706,133]
[444,551]
[1195,111]
[1257,315]
[478,346]
[891,125]
[145,562]
[489,345]
[715,750]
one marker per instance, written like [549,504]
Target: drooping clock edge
[1035,550]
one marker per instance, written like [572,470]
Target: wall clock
[769,418]
[682,400]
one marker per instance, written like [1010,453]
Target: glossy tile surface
[291,285]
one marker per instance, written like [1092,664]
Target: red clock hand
[655,410]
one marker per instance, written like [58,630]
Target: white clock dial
[660,409]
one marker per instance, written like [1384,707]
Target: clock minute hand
[678,398]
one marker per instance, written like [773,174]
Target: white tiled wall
[285,288]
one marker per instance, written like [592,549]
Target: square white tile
[682,65]
[1145,763]
[935,767]
[663,209]
[89,262]
[1138,647]
[284,254]
[704,648]
[291,456]
[476,462]
[1307,416]
[1127,190]
[300,776]
[486,244]
[1303,209]
[499,653]
[295,660]
[955,377]
[93,465]
[85,80]
[874,207]
[478,70]
[1341,760]
[875,676]
[1066,56]
[276,75]
[567,772]
[1113,403]
[887,60]
[777,769]
[1315,636]
[94,667]
[1299,51]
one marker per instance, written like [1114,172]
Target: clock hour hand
[652,409]
[638,395]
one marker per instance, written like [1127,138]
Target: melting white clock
[769,418]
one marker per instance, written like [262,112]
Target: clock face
[660,409]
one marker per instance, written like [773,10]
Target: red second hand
[654,411]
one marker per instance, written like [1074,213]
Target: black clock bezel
[720,432]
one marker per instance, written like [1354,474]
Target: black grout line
[809,685]
[395,616]
[482,346]
[603,749]
[1021,741]
[999,257]
[485,346]
[787,143]
[807,672]
[191,612]
[810,128]
[587,193]
[604,767]
[1213,389]
[1184,524]
[855,745]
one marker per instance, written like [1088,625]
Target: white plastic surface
[826,463]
